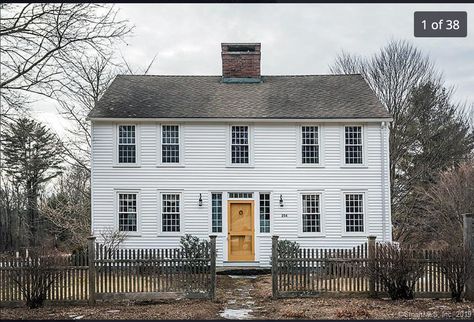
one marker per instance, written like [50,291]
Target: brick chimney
[241,62]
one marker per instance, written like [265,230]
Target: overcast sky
[296,38]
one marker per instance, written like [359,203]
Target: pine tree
[32,156]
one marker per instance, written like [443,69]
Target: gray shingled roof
[276,97]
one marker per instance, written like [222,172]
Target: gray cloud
[296,38]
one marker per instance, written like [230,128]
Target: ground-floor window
[354,210]
[264,212]
[170,212]
[311,215]
[216,212]
[127,211]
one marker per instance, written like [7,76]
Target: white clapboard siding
[275,170]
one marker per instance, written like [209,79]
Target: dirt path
[250,298]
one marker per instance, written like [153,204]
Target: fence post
[91,261]
[275,267]
[469,245]
[212,290]
[371,254]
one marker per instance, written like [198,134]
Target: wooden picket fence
[334,272]
[105,273]
[67,274]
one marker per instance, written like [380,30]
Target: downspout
[383,126]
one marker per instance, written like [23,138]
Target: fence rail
[105,273]
[318,272]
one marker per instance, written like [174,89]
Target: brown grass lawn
[258,299]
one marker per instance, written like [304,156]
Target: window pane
[354,212]
[127,212]
[126,144]
[311,214]
[170,144]
[309,145]
[170,212]
[264,212]
[240,195]
[240,145]
[216,212]
[353,145]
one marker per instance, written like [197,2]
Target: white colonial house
[243,156]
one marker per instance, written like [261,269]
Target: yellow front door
[241,230]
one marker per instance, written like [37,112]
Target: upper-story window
[127,149]
[170,141]
[309,145]
[353,145]
[240,150]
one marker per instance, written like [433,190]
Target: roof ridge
[303,75]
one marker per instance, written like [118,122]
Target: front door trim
[252,218]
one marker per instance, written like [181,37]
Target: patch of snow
[78,317]
[113,311]
[243,276]
[236,314]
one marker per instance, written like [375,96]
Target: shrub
[287,248]
[456,265]
[397,269]
[35,277]
[193,247]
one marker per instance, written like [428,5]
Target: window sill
[316,166]
[170,165]
[358,234]
[240,166]
[311,235]
[359,166]
[126,166]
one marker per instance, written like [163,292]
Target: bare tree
[40,39]
[427,133]
[67,209]
[444,203]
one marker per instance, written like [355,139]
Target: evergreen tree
[32,156]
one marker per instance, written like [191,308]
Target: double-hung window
[240,147]
[309,145]
[127,149]
[353,145]
[127,212]
[170,144]
[354,212]
[264,212]
[171,212]
[216,212]
[311,213]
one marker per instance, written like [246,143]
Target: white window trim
[345,233]
[322,233]
[181,214]
[299,161]
[229,163]
[364,147]
[210,232]
[116,164]
[257,208]
[116,208]
[181,162]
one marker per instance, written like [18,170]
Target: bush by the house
[193,247]
[456,266]
[397,269]
[36,276]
